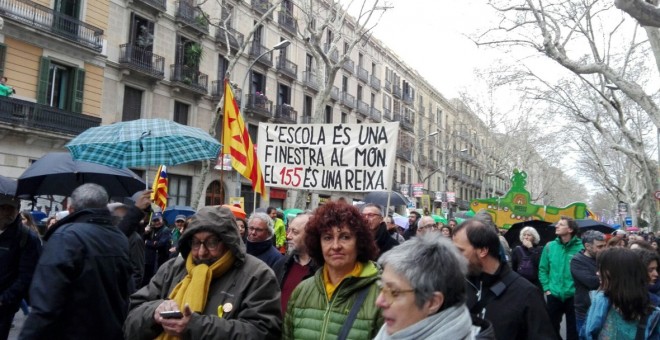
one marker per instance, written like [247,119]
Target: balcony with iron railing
[217,91]
[362,108]
[348,100]
[396,91]
[285,114]
[45,19]
[259,105]
[349,66]
[405,122]
[363,74]
[223,34]
[334,93]
[287,22]
[375,82]
[404,153]
[141,60]
[257,49]
[191,17]
[387,114]
[189,78]
[160,5]
[309,80]
[286,67]
[261,6]
[408,99]
[388,85]
[29,115]
[375,114]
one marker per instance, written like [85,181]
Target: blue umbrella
[172,212]
[144,142]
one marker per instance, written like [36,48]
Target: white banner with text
[339,157]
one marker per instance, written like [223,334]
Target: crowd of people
[117,271]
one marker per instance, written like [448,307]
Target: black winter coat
[281,268]
[583,270]
[82,282]
[518,312]
[384,241]
[20,249]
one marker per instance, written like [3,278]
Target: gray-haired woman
[526,257]
[423,291]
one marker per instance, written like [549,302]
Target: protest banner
[341,157]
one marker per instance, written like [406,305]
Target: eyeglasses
[209,244]
[371,215]
[391,294]
[256,230]
[430,226]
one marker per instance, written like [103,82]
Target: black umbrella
[380,198]
[589,224]
[7,186]
[545,229]
[57,173]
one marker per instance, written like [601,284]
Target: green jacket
[555,267]
[280,233]
[310,315]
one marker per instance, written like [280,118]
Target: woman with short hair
[423,291]
[525,258]
[338,302]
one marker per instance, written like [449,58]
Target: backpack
[526,266]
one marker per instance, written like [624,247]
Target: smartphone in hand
[174,314]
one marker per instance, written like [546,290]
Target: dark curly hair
[338,214]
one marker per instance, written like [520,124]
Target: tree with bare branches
[610,66]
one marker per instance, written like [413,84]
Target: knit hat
[9,200]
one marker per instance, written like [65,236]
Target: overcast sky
[430,36]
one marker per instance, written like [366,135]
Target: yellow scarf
[194,288]
[329,287]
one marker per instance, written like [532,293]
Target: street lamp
[282,44]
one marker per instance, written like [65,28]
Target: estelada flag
[237,143]
[159,194]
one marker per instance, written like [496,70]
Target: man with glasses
[374,216]
[260,239]
[219,291]
[426,224]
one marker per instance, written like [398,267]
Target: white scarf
[451,323]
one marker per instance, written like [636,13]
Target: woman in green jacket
[338,302]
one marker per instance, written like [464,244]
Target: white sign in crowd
[341,157]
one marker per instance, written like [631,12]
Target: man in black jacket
[583,270]
[413,218]
[374,215]
[82,282]
[19,252]
[512,304]
[297,265]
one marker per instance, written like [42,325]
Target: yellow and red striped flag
[238,144]
[159,194]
